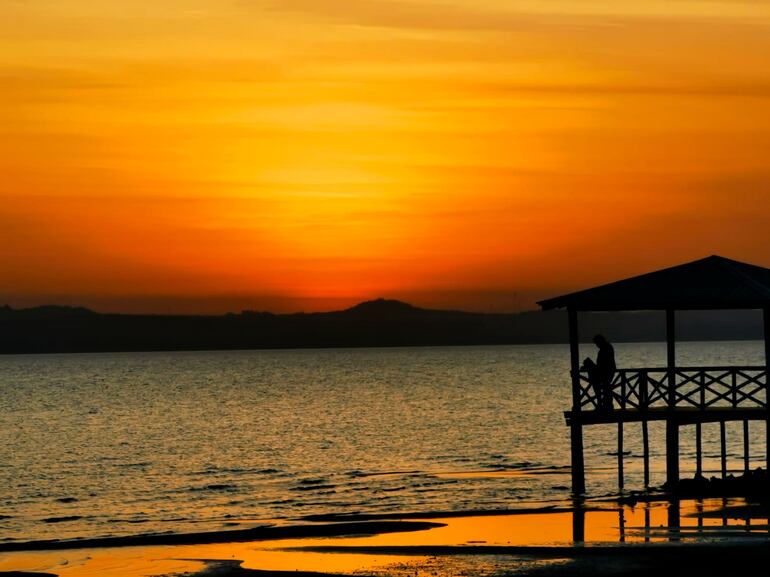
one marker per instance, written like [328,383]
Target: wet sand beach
[707,536]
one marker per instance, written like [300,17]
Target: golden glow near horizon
[211,155]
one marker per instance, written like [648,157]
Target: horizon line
[96,310]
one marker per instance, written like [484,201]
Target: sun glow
[308,153]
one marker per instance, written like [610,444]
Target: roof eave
[561,303]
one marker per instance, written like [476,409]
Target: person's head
[600,341]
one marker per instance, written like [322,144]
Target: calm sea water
[115,444]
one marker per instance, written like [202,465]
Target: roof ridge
[630,278]
[713,281]
[763,290]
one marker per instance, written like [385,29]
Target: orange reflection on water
[654,522]
[705,519]
[108,562]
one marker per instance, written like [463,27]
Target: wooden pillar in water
[578,522]
[746,446]
[674,522]
[576,425]
[620,455]
[672,427]
[723,445]
[766,315]
[622,524]
[698,450]
[672,452]
[646,450]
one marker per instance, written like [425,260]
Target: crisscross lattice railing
[694,387]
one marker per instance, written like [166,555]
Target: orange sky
[212,155]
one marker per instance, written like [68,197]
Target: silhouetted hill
[384,307]
[54,311]
[369,324]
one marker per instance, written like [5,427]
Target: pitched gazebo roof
[713,282]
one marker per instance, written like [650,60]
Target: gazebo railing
[694,387]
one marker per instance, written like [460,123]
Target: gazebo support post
[576,426]
[698,450]
[620,455]
[746,456]
[766,315]
[723,448]
[672,427]
[646,447]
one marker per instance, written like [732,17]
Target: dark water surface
[115,444]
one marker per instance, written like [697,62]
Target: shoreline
[370,524]
[616,539]
[254,534]
[307,526]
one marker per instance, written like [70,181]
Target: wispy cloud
[297,147]
[401,14]
[510,16]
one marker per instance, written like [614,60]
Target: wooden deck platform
[678,415]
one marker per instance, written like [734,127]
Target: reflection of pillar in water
[647,523]
[724,512]
[622,524]
[578,522]
[673,520]
[699,513]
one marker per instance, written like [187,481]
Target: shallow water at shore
[127,444]
[486,544]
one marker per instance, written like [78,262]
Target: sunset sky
[215,155]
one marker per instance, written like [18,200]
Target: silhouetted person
[594,380]
[605,365]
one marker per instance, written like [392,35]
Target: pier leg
[646,447]
[672,427]
[576,426]
[578,469]
[699,513]
[672,453]
[622,524]
[767,449]
[723,442]
[766,318]
[647,523]
[698,451]
[746,446]
[673,520]
[620,455]
[578,521]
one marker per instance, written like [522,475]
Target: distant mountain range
[377,323]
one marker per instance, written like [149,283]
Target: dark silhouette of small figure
[605,367]
[594,380]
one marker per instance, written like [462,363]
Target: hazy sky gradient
[211,155]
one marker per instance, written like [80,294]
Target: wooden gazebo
[674,394]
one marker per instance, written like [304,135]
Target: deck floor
[682,415]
